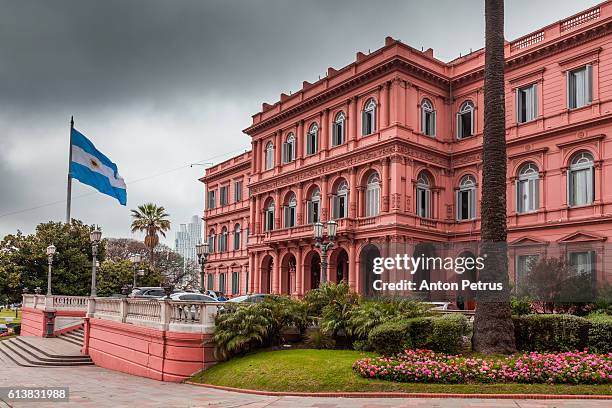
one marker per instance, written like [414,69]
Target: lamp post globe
[95,236]
[202,253]
[50,252]
[325,242]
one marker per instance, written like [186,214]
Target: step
[10,356]
[12,348]
[53,346]
[73,336]
[45,356]
[70,340]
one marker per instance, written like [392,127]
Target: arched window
[340,200]
[466,199]
[289,149]
[581,180]
[423,196]
[211,241]
[338,129]
[223,240]
[368,118]
[269,156]
[237,237]
[372,198]
[314,207]
[465,120]
[269,216]
[312,139]
[428,118]
[527,188]
[289,211]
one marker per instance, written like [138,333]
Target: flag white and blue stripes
[93,168]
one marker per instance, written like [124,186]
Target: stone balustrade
[55,302]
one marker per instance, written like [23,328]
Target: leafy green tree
[115,274]
[153,221]
[23,259]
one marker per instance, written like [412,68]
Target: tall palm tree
[493,328]
[152,220]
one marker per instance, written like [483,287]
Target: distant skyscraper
[188,237]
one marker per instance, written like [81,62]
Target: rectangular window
[527,195]
[583,264]
[429,122]
[246,282]
[423,203]
[372,202]
[223,195]
[288,153]
[580,87]
[338,133]
[466,205]
[237,191]
[235,283]
[211,243]
[211,199]
[237,240]
[339,207]
[311,143]
[313,212]
[222,283]
[524,264]
[527,103]
[581,187]
[367,122]
[210,284]
[289,217]
[269,220]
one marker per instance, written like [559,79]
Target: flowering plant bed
[425,366]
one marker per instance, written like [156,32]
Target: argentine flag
[91,167]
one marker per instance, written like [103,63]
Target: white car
[192,297]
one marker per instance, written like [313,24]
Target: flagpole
[69,189]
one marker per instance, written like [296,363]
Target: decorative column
[395,182]
[276,273]
[278,147]
[384,105]
[324,200]
[277,209]
[385,185]
[352,118]
[257,212]
[352,210]
[299,142]
[299,272]
[256,274]
[325,132]
[360,201]
[299,206]
[255,157]
[394,101]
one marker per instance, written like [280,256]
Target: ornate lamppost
[50,253]
[95,237]
[325,242]
[136,259]
[202,252]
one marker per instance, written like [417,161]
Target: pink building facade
[390,147]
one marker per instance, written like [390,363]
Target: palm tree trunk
[493,328]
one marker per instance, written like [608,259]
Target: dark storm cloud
[159,84]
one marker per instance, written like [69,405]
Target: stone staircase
[28,351]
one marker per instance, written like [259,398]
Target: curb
[401,394]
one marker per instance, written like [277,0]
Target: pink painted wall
[146,352]
[32,322]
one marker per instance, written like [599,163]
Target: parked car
[438,305]
[3,328]
[192,296]
[254,298]
[151,292]
[217,295]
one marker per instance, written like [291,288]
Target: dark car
[148,293]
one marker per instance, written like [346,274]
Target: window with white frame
[580,87]
[224,195]
[235,282]
[269,156]
[211,199]
[312,139]
[223,240]
[527,188]
[338,129]
[581,180]
[210,281]
[428,118]
[340,201]
[222,282]
[465,120]
[583,264]
[313,207]
[289,149]
[211,241]
[237,191]
[289,212]
[423,196]
[237,237]
[368,118]
[372,197]
[466,199]
[527,103]
[269,217]
[523,265]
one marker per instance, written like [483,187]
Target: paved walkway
[98,387]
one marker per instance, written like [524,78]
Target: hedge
[441,334]
[551,332]
[600,333]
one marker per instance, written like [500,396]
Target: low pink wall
[147,352]
[32,322]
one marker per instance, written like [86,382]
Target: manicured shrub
[317,338]
[391,337]
[426,366]
[447,333]
[600,333]
[317,299]
[551,332]
[520,306]
[370,313]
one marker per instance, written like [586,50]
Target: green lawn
[9,313]
[303,370]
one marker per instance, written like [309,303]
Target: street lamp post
[95,237]
[50,253]
[136,259]
[202,252]
[325,242]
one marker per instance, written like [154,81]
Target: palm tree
[493,328]
[152,220]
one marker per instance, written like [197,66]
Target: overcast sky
[157,85]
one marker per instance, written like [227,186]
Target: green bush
[317,338]
[370,313]
[520,306]
[327,293]
[551,332]
[600,333]
[440,333]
